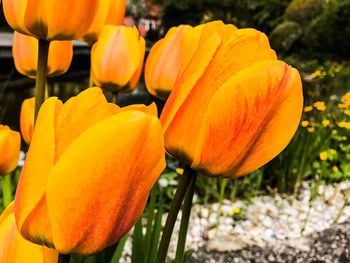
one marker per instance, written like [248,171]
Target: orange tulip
[50,20]
[25,55]
[117,58]
[27,119]
[10,144]
[169,57]
[109,12]
[234,108]
[88,172]
[14,248]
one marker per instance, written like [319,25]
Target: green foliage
[283,37]
[303,11]
[330,32]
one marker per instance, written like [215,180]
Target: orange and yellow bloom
[117,58]
[50,20]
[83,153]
[14,248]
[27,119]
[25,55]
[110,12]
[233,108]
[10,144]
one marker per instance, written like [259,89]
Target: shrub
[283,37]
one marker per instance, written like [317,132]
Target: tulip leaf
[138,253]
[119,251]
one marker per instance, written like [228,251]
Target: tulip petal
[15,248]
[134,81]
[168,58]
[253,116]
[124,157]
[32,184]
[225,30]
[189,77]
[115,69]
[233,55]
[69,125]
[10,143]
[150,109]
[27,119]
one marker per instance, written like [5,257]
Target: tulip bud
[14,248]
[27,119]
[50,20]
[88,172]
[169,57]
[117,58]
[10,143]
[234,107]
[25,55]
[109,12]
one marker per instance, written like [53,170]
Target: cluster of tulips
[231,106]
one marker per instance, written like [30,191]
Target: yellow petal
[250,119]
[32,184]
[10,144]
[15,249]
[120,157]
[27,119]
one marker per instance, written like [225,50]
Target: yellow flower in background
[236,210]
[347,112]
[319,105]
[311,129]
[304,123]
[325,123]
[344,138]
[180,171]
[332,151]
[346,99]
[344,124]
[323,156]
[308,108]
[335,168]
[341,106]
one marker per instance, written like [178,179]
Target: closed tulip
[25,55]
[27,119]
[10,143]
[109,12]
[234,107]
[88,172]
[117,58]
[169,56]
[14,248]
[50,20]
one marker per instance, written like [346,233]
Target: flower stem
[7,190]
[186,212]
[181,190]
[63,258]
[40,84]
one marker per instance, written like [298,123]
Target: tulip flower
[27,119]
[109,12]
[169,56]
[10,143]
[117,58]
[14,248]
[50,20]
[88,172]
[234,107]
[25,55]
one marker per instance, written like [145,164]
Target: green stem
[7,189]
[40,84]
[91,82]
[186,212]
[115,97]
[63,258]
[185,180]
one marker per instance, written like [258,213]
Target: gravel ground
[329,246]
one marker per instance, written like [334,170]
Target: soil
[329,246]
